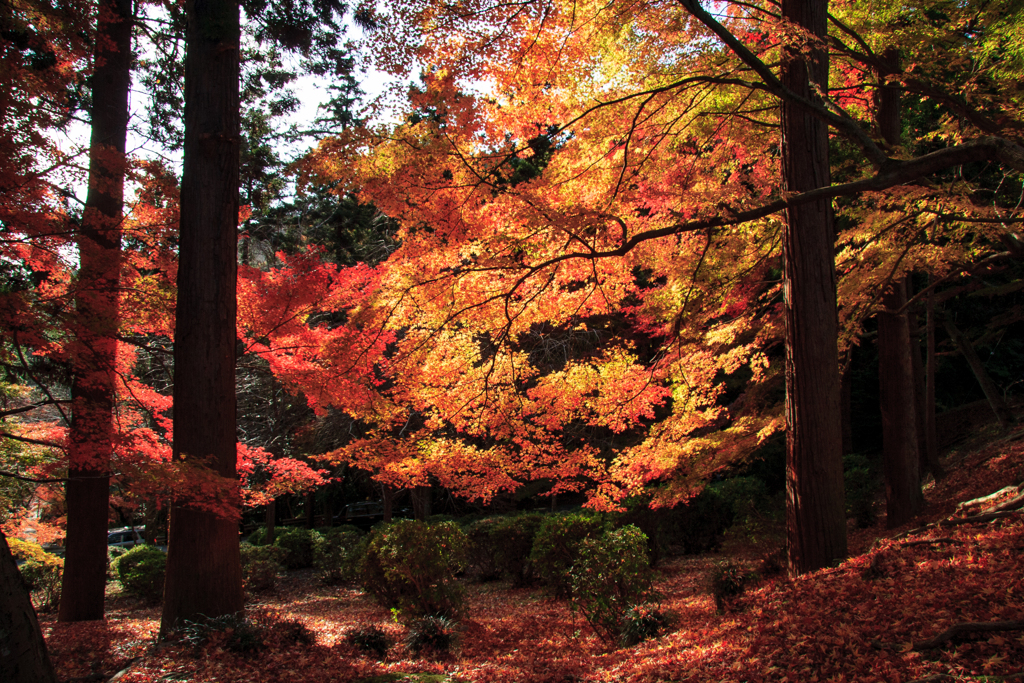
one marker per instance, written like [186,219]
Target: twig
[959,630]
[931,541]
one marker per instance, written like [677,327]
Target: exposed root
[958,631]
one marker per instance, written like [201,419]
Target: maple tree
[593,180]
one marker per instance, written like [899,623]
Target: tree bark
[90,439]
[388,494]
[903,499]
[846,403]
[995,399]
[931,435]
[270,519]
[929,456]
[203,564]
[815,511]
[421,496]
[23,655]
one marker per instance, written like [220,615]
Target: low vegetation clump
[556,548]
[261,566]
[370,639]
[298,545]
[41,571]
[432,635]
[242,634]
[611,576]
[728,580]
[411,566]
[337,555]
[141,572]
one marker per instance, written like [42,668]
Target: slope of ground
[882,615]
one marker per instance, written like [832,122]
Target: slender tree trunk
[903,499]
[23,655]
[388,494]
[421,496]
[92,390]
[270,519]
[995,399]
[815,511]
[897,399]
[310,510]
[846,403]
[204,574]
[931,435]
[929,457]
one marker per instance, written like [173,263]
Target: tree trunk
[270,520]
[204,574]
[995,399]
[92,389]
[388,494]
[310,510]
[421,496]
[846,406]
[815,510]
[929,457]
[23,655]
[931,435]
[903,499]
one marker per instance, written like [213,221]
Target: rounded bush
[42,571]
[556,547]
[258,537]
[642,622]
[513,539]
[410,566]
[482,558]
[611,576]
[141,572]
[337,555]
[260,566]
[299,546]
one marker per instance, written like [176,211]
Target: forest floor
[869,619]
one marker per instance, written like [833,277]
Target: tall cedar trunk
[929,457]
[995,399]
[815,510]
[23,655]
[92,388]
[900,458]
[896,395]
[204,575]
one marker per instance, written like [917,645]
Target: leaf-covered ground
[865,620]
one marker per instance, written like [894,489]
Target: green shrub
[410,566]
[113,552]
[370,639]
[337,554]
[728,580]
[42,571]
[642,622]
[699,525]
[555,548]
[141,572]
[261,565]
[482,556]
[859,481]
[513,539]
[299,544]
[258,537]
[610,576]
[244,634]
[431,634]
